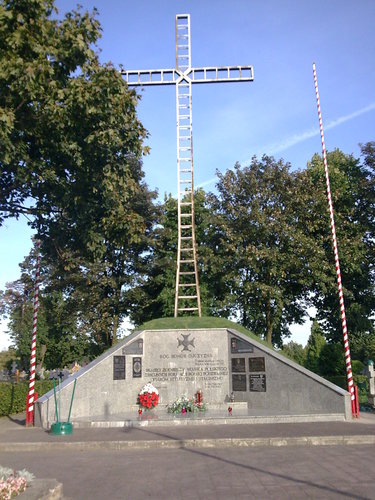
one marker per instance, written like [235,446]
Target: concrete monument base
[226,366]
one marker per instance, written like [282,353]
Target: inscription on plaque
[189,367]
[238,365]
[137,367]
[256,365]
[238,382]
[118,367]
[257,382]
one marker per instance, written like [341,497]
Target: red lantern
[199,397]
[140,411]
[230,410]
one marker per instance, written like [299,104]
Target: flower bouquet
[148,396]
[185,405]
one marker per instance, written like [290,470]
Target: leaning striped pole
[348,363]
[31,392]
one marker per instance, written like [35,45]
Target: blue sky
[276,114]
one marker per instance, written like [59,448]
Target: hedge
[13,395]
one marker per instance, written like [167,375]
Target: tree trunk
[268,323]
[115,327]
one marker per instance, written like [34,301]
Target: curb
[192,443]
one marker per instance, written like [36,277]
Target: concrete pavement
[222,461]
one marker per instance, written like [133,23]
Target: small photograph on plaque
[257,365]
[239,382]
[137,367]
[238,365]
[118,367]
[257,382]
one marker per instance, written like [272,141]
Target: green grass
[193,322]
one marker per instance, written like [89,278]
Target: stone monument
[223,363]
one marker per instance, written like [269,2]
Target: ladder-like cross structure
[187,296]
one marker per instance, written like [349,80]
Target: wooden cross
[187,294]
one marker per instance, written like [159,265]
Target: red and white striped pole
[348,363]
[31,392]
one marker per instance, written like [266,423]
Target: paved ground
[200,472]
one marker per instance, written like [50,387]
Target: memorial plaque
[238,365]
[118,367]
[135,347]
[238,382]
[137,367]
[257,365]
[257,382]
[240,346]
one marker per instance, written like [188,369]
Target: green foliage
[13,396]
[6,358]
[362,346]
[315,344]
[352,188]
[261,248]
[295,351]
[331,360]
[71,159]
[357,366]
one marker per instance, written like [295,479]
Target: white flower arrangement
[13,483]
[149,388]
[184,405]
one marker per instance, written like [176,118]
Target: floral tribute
[13,483]
[185,405]
[148,396]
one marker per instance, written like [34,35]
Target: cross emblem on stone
[187,293]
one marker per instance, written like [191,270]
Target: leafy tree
[331,360]
[264,264]
[154,295]
[296,352]
[315,344]
[72,159]
[352,188]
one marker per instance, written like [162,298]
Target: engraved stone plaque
[238,365]
[257,382]
[256,365]
[118,367]
[137,367]
[239,382]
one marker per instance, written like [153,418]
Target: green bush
[357,366]
[13,396]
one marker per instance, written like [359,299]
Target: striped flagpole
[31,392]
[348,363]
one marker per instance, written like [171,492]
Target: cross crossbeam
[219,74]
[187,292]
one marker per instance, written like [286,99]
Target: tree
[296,352]
[154,295]
[315,344]
[352,188]
[57,320]
[72,159]
[331,360]
[262,246]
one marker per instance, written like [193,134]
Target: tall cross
[187,294]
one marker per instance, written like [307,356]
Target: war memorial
[233,374]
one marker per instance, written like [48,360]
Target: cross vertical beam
[187,292]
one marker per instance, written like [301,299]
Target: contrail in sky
[303,136]
[296,139]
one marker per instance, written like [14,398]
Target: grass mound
[193,322]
